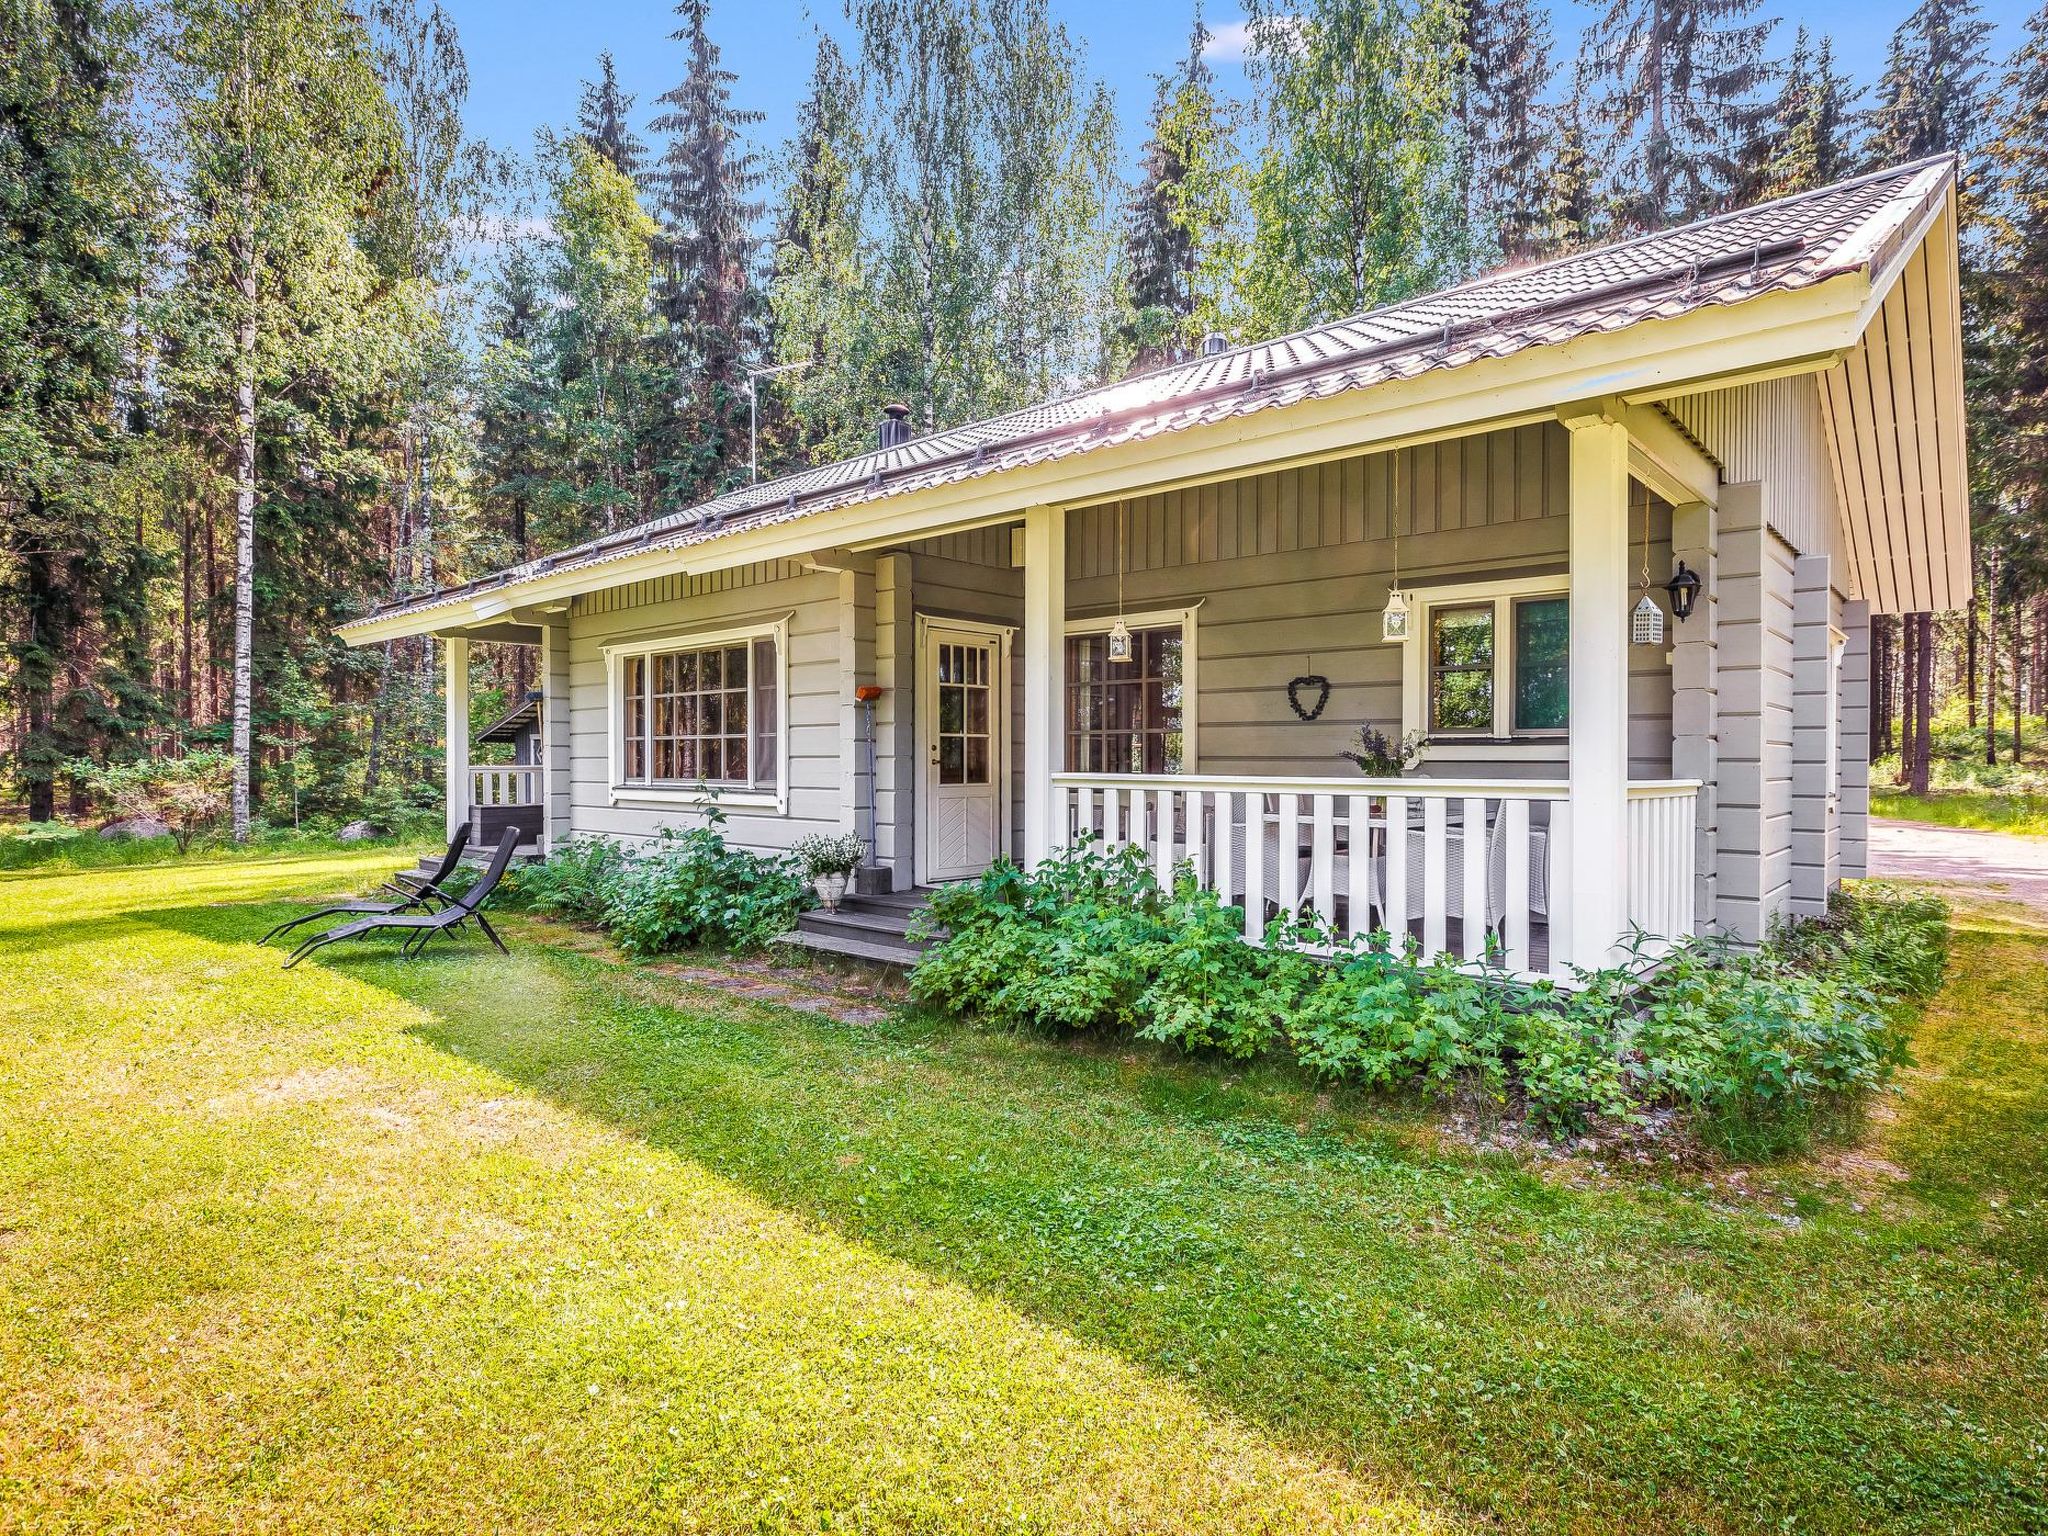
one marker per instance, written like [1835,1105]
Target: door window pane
[966,746]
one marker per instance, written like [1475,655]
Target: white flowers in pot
[829,860]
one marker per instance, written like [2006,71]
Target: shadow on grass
[1553,1352]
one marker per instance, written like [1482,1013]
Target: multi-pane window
[1125,716]
[1461,650]
[1543,633]
[709,715]
[966,696]
[1494,664]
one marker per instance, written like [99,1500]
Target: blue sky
[527,59]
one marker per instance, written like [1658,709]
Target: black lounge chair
[422,926]
[417,893]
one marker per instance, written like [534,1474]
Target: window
[707,713]
[1129,716]
[1461,670]
[1543,633]
[1491,663]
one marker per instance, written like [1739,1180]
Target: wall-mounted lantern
[1685,590]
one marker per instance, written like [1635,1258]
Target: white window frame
[1157,618]
[623,792]
[1505,744]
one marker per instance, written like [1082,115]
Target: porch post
[455,658]
[1597,848]
[1045,673]
[554,728]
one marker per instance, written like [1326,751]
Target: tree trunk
[243,257]
[1923,702]
[1991,672]
[1909,647]
[35,673]
[189,701]
[1970,687]
[2019,661]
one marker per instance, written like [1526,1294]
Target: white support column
[1045,672]
[455,723]
[1598,847]
[555,721]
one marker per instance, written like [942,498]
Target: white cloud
[1231,41]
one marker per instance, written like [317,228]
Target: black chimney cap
[895,428]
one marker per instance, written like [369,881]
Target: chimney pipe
[895,429]
[1215,342]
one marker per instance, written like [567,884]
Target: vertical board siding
[1291,571]
[1773,433]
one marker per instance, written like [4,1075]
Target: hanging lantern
[1119,640]
[1685,590]
[1394,622]
[1648,628]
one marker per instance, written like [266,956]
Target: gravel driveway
[2014,868]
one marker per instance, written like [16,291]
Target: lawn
[553,1243]
[1983,810]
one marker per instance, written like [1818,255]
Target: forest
[280,338]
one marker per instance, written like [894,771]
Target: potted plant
[1379,756]
[829,860]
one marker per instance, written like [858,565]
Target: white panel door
[962,750]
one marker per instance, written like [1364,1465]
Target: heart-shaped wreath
[1320,686]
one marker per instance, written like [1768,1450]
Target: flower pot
[831,889]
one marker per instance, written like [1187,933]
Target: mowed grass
[552,1243]
[1982,810]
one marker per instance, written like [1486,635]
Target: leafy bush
[1757,1046]
[694,890]
[188,794]
[576,880]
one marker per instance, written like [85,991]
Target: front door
[963,788]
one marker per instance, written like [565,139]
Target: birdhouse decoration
[1648,628]
[1647,622]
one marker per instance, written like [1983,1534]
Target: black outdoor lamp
[1684,589]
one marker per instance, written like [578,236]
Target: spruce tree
[1507,129]
[1177,219]
[70,249]
[706,295]
[604,118]
[1810,143]
[1930,100]
[1571,197]
[1680,103]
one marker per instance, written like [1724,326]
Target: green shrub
[1758,1047]
[188,794]
[576,880]
[693,890]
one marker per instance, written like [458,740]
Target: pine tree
[605,120]
[1810,143]
[705,290]
[1680,103]
[1357,198]
[1178,217]
[70,251]
[1507,130]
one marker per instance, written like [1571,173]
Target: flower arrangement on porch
[829,860]
[1379,756]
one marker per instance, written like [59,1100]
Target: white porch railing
[505,784]
[1661,852]
[1364,855]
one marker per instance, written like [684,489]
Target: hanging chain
[1646,543]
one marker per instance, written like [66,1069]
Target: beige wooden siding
[1291,572]
[1773,433]
[677,605]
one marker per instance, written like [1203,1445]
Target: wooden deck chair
[422,926]
[418,893]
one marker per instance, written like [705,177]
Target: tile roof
[1795,242]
